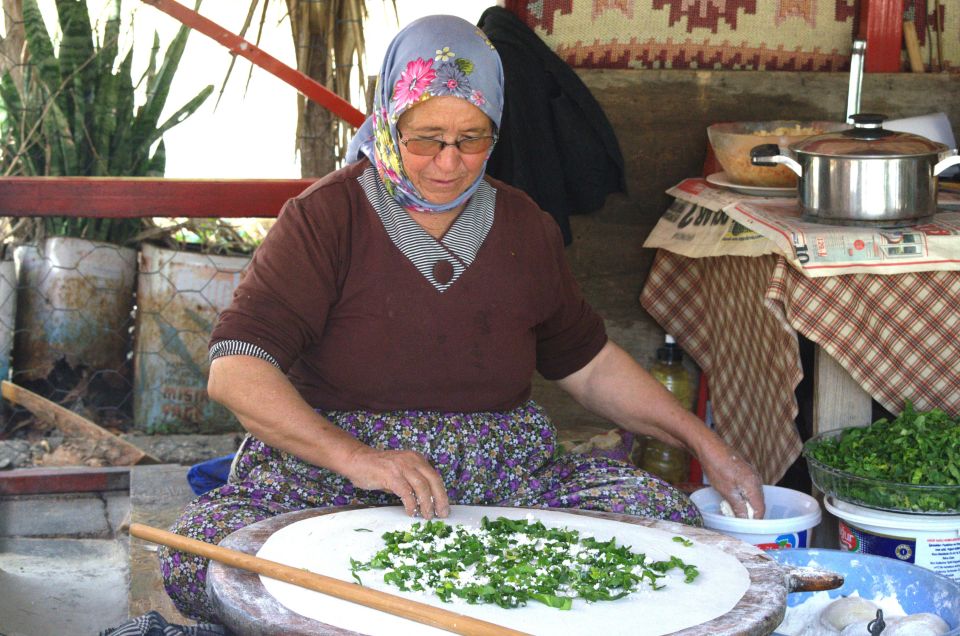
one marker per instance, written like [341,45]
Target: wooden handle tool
[396,605]
[912,45]
[811,579]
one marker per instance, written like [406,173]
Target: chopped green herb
[508,562]
[918,451]
[362,530]
[682,541]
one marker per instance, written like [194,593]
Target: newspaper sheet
[706,220]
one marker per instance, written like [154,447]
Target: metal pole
[311,88]
[856,78]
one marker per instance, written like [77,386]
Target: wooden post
[913,46]
[838,402]
[131,197]
[309,87]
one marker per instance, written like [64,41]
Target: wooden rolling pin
[396,605]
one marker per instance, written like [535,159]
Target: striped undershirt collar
[432,257]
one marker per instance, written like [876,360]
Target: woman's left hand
[735,479]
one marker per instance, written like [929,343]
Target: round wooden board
[247,608]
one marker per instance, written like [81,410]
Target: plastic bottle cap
[669,339]
[670,353]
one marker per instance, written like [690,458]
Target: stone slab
[157,496]
[62,586]
[76,515]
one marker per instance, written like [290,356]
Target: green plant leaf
[121,145]
[106,115]
[158,162]
[75,94]
[75,113]
[158,87]
[60,144]
[178,117]
[39,45]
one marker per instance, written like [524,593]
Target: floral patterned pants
[488,458]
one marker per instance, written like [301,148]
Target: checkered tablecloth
[715,309]
[898,336]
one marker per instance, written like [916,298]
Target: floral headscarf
[433,56]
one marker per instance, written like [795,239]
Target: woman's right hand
[405,473]
[268,406]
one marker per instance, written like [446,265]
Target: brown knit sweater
[356,326]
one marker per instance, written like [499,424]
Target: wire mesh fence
[115,334]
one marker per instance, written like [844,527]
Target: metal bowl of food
[732,142]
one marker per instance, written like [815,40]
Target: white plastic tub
[789,521]
[930,541]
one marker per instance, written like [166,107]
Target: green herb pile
[509,562]
[919,449]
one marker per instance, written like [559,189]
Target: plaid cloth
[897,335]
[715,309]
[154,624]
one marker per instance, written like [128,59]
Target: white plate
[721,179]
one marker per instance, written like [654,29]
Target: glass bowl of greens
[908,464]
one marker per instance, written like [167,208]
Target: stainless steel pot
[864,175]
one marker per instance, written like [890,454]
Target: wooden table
[246,608]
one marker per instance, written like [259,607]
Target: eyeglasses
[427,147]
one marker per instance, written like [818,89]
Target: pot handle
[770,155]
[951,160]
[811,579]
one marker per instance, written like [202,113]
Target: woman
[380,348]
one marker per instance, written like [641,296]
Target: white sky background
[252,134]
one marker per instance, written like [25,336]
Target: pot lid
[868,138]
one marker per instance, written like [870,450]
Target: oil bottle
[659,458]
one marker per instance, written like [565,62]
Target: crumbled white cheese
[727,510]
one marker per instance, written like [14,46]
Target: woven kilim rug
[783,35]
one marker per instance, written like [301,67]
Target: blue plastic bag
[206,476]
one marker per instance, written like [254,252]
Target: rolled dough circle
[325,544]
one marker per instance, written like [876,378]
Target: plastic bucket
[789,521]
[930,541]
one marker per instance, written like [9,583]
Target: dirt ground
[32,443]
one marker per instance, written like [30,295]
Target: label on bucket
[940,554]
[788,540]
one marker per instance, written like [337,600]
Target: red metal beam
[311,88]
[38,481]
[881,25]
[128,197]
